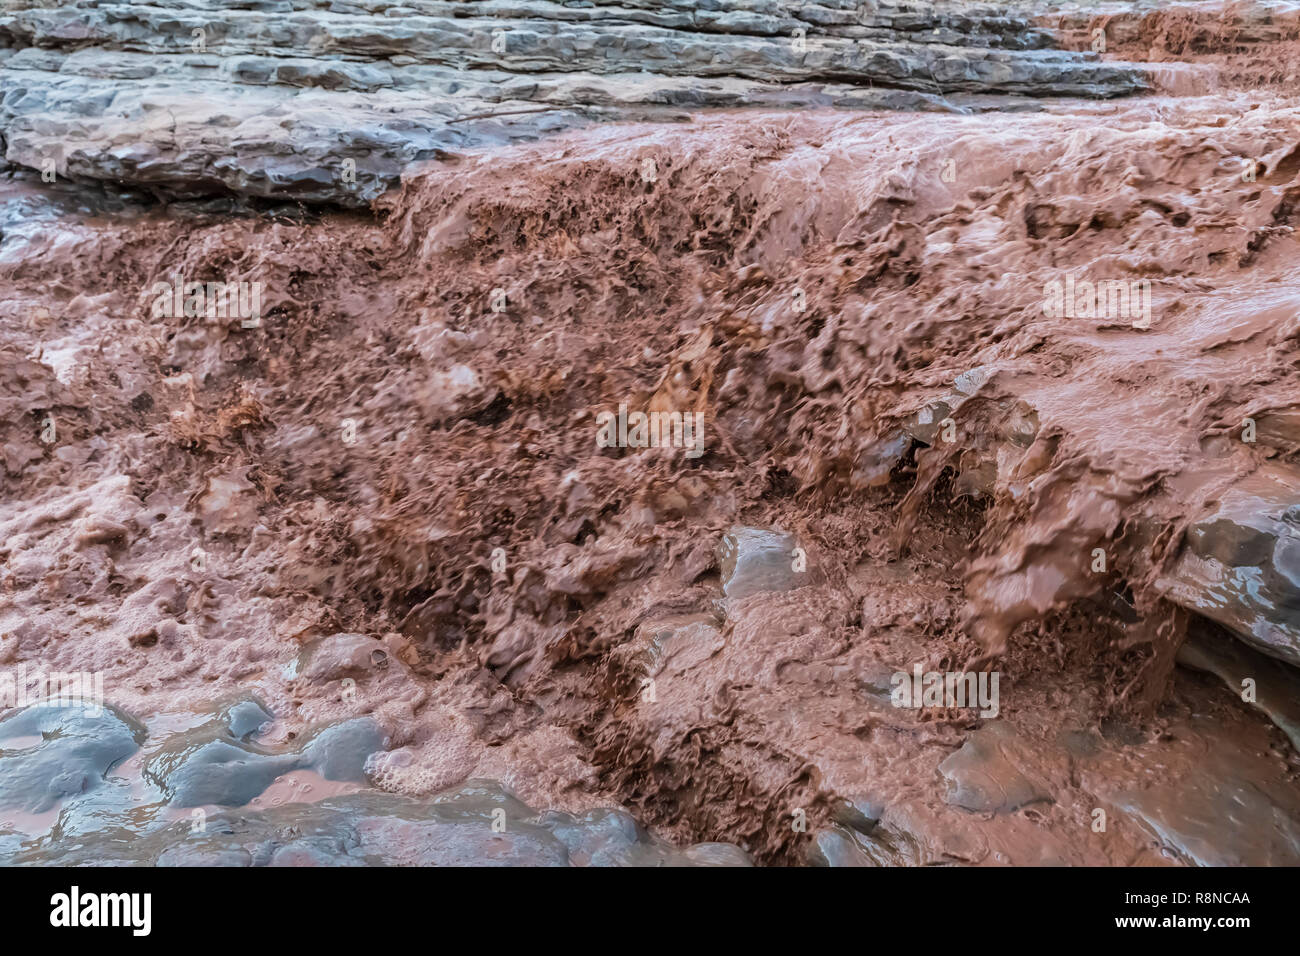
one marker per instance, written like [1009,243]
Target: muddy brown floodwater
[1010,392]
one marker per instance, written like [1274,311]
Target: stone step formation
[329,102]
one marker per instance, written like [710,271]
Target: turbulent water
[393,570]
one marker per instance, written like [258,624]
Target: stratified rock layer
[328,102]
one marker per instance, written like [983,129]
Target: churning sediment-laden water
[1012,394]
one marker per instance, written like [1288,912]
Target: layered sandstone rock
[328,102]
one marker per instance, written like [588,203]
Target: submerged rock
[337,656]
[1232,811]
[1274,688]
[246,718]
[479,824]
[756,559]
[841,845]
[983,775]
[859,813]
[61,757]
[208,765]
[671,644]
[613,838]
[50,752]
[1240,566]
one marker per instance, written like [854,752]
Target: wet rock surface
[325,102]
[1241,565]
[58,758]
[246,719]
[210,766]
[1229,811]
[983,776]
[49,753]
[477,825]
[338,656]
[1198,798]
[1255,679]
[672,644]
[751,560]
